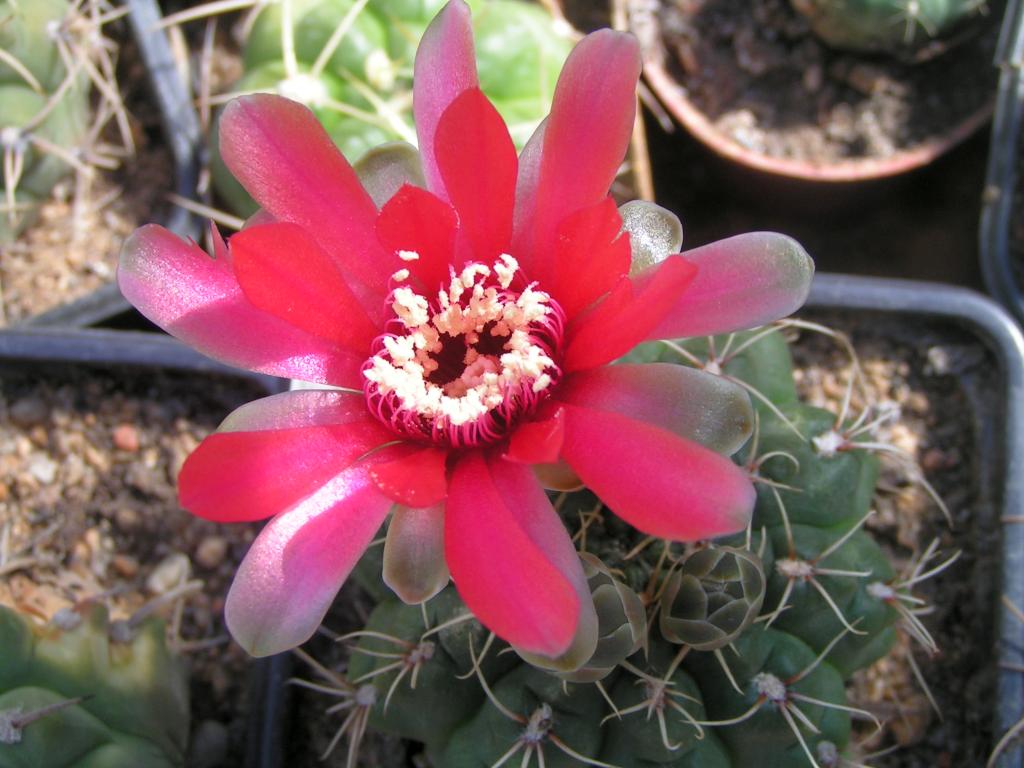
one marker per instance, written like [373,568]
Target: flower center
[464,368]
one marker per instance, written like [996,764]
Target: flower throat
[463,368]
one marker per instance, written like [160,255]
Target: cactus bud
[654,233]
[621,622]
[712,598]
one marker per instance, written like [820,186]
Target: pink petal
[511,557]
[698,406]
[626,315]
[662,485]
[445,67]
[417,221]
[477,162]
[283,271]
[197,299]
[742,282]
[414,565]
[260,217]
[587,133]
[284,158]
[293,570]
[538,442]
[588,258]
[417,479]
[527,178]
[296,410]
[288,447]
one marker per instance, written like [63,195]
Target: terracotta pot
[673,96]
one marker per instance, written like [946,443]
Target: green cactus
[44,109]
[87,692]
[889,26]
[733,652]
[361,91]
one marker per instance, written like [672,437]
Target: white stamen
[400,275]
[406,363]
[408,255]
[410,307]
[505,268]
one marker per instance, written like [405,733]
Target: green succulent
[86,692]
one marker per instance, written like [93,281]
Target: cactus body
[890,26]
[26,33]
[519,57]
[134,708]
[707,686]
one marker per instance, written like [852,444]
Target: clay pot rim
[673,97]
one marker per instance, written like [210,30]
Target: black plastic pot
[45,351]
[1002,279]
[1001,432]
[999,443]
[184,138]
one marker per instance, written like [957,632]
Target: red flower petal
[415,220]
[196,298]
[292,444]
[586,136]
[663,485]
[477,161]
[293,570]
[626,316]
[511,557]
[698,406]
[445,67]
[284,158]
[416,480]
[537,442]
[741,282]
[589,257]
[527,178]
[283,271]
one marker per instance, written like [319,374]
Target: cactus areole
[469,310]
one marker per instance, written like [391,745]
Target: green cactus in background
[351,62]
[889,26]
[717,654]
[87,692]
[44,109]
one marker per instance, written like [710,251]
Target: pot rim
[1001,175]
[108,348]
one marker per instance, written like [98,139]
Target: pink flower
[471,325]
